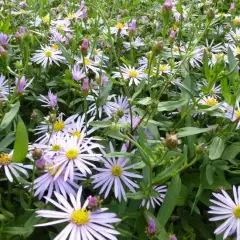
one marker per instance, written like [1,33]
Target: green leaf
[64,51]
[170,200]
[17,230]
[104,93]
[138,90]
[188,131]
[7,141]
[100,124]
[209,174]
[232,62]
[21,143]
[226,90]
[71,83]
[136,195]
[171,105]
[216,148]
[145,101]
[205,65]
[9,116]
[232,151]
[119,154]
[182,196]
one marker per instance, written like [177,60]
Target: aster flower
[12,169]
[77,153]
[82,224]
[21,84]
[210,48]
[89,64]
[3,40]
[48,55]
[209,101]
[119,109]
[120,28]
[215,91]
[4,89]
[98,56]
[136,43]
[152,201]
[49,101]
[115,174]
[132,74]
[61,25]
[47,184]
[228,210]
[151,228]
[77,73]
[232,113]
[233,36]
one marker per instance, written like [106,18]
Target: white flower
[11,168]
[77,152]
[153,200]
[4,89]
[131,73]
[231,113]
[120,28]
[47,184]
[77,73]
[210,48]
[232,36]
[115,173]
[209,101]
[163,68]
[47,55]
[89,64]
[235,49]
[135,44]
[82,224]
[227,209]
[215,91]
[98,55]
[118,109]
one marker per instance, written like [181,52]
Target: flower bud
[232,7]
[3,52]
[40,163]
[172,35]
[52,117]
[151,228]
[52,99]
[84,14]
[36,153]
[168,5]
[210,14]
[85,87]
[3,40]
[171,140]
[172,237]
[84,46]
[132,27]
[93,203]
[20,84]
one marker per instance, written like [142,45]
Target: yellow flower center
[238,114]
[46,19]
[70,15]
[219,56]
[175,48]
[86,61]
[5,159]
[60,28]
[48,53]
[80,217]
[119,26]
[58,126]
[236,20]
[56,147]
[71,154]
[236,212]
[133,73]
[95,52]
[211,101]
[52,170]
[163,67]
[76,134]
[237,51]
[116,171]
[55,46]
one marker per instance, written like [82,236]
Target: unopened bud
[171,140]
[84,46]
[40,163]
[168,5]
[210,14]
[93,203]
[157,47]
[36,153]
[85,87]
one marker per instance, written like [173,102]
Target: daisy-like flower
[49,101]
[163,69]
[227,209]
[215,91]
[82,223]
[120,28]
[61,25]
[231,113]
[235,50]
[153,200]
[135,44]
[12,169]
[47,184]
[210,48]
[77,73]
[115,174]
[98,56]
[118,109]
[233,36]
[48,55]
[77,153]
[210,101]
[89,64]
[4,89]
[132,74]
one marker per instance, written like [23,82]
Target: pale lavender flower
[84,14]
[4,90]
[173,237]
[233,7]
[85,87]
[40,163]
[22,84]
[84,46]
[132,27]
[168,5]
[172,35]
[23,4]
[3,40]
[77,74]
[50,100]
[3,52]
[115,174]
[151,229]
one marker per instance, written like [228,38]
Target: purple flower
[3,52]
[93,203]
[40,163]
[172,237]
[77,74]
[23,4]
[84,46]
[104,79]
[22,29]
[84,14]
[151,229]
[233,7]
[52,99]
[172,35]
[132,27]
[85,87]
[3,40]
[22,84]
[168,5]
